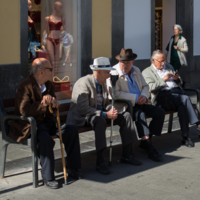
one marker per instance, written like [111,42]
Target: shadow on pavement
[165,144]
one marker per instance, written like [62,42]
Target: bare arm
[63,23]
[46,24]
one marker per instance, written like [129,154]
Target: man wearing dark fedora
[132,86]
[90,106]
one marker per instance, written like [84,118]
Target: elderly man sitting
[132,86]
[34,95]
[164,84]
[90,106]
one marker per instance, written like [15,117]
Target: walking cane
[114,79]
[61,144]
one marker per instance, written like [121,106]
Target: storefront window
[52,34]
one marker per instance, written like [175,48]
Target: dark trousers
[46,144]
[185,109]
[99,123]
[139,116]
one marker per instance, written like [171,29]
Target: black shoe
[103,168]
[51,184]
[198,131]
[74,173]
[131,160]
[151,151]
[146,145]
[155,156]
[187,142]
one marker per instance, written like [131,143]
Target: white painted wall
[137,27]
[196,28]
[169,19]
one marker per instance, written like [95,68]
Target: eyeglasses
[51,69]
[161,62]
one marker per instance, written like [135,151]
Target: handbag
[40,53]
[165,100]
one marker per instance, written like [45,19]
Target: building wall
[191,73]
[88,43]
[13,37]
[101,28]
[10,31]
[14,45]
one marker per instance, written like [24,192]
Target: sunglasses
[51,69]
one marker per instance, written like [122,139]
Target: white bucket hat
[101,63]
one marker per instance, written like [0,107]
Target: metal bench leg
[3,158]
[170,123]
[35,169]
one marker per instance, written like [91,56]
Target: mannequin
[53,24]
[30,21]
[32,35]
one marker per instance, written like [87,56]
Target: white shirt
[42,88]
[170,83]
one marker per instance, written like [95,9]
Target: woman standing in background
[176,49]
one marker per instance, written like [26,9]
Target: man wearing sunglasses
[34,96]
[166,92]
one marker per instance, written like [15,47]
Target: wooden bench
[7,111]
[65,107]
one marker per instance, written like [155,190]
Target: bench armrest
[31,120]
[128,103]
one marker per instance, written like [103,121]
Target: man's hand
[142,100]
[176,77]
[167,77]
[55,103]
[112,114]
[46,100]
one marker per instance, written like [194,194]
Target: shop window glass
[52,34]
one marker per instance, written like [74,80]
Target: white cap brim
[102,68]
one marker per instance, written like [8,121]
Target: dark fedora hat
[126,55]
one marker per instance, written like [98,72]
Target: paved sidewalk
[177,178]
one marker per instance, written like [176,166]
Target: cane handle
[50,109]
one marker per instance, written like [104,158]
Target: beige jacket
[122,90]
[84,101]
[182,43]
[155,82]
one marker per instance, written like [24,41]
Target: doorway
[165,18]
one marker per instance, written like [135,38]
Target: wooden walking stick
[61,143]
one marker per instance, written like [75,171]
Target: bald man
[35,93]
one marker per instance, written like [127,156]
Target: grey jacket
[155,82]
[84,101]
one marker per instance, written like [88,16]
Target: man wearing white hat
[90,106]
